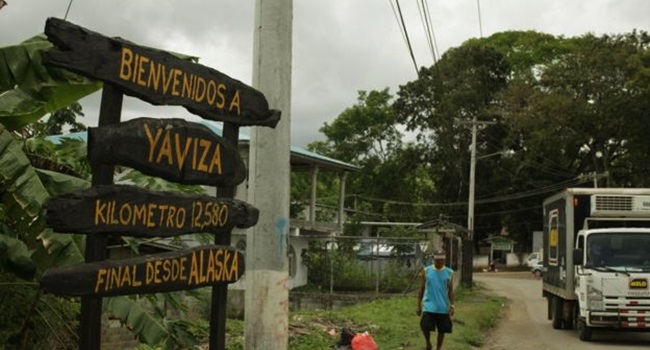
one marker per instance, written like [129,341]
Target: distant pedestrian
[436,299]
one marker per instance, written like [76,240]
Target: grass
[392,322]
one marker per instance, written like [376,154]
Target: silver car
[538,269]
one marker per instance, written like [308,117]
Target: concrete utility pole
[468,241]
[267,294]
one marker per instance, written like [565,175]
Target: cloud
[339,46]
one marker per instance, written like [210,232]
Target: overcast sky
[339,46]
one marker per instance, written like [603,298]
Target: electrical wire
[67,10]
[425,18]
[406,35]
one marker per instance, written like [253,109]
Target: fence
[373,264]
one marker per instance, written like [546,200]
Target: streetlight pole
[468,241]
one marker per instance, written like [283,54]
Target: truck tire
[584,331]
[557,305]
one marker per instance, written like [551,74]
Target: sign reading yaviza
[174,149]
[156,76]
[133,211]
[165,272]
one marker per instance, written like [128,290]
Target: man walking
[437,294]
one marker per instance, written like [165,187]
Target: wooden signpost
[157,273]
[174,149]
[133,211]
[156,76]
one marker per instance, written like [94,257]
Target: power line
[480,22]
[425,18]
[405,34]
[67,10]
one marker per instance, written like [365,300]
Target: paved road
[525,326]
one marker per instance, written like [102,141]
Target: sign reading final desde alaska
[156,76]
[133,211]
[157,273]
[174,149]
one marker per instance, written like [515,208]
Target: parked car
[538,269]
[533,258]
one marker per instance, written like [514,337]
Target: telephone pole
[468,241]
[266,315]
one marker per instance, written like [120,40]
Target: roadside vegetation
[392,322]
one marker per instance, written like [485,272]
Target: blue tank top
[436,287]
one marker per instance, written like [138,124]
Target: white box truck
[597,253]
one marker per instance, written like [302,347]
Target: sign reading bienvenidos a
[156,76]
[174,149]
[125,209]
[164,272]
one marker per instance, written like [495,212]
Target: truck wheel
[584,331]
[557,313]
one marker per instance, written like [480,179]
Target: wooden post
[91,306]
[220,292]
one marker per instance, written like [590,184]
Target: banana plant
[28,91]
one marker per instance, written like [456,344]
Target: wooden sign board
[165,272]
[173,149]
[157,77]
[133,211]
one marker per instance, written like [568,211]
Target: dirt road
[525,327]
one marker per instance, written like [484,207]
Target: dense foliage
[552,113]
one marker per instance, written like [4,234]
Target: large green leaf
[29,90]
[58,249]
[58,183]
[148,327]
[15,257]
[21,192]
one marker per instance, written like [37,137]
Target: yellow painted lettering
[140,214]
[182,272]
[210,274]
[125,64]
[194,270]
[141,62]
[153,140]
[222,98]
[180,217]
[126,276]
[205,146]
[134,275]
[166,149]
[156,267]
[234,104]
[187,85]
[167,270]
[125,214]
[216,160]
[218,255]
[149,272]
[212,91]
[234,267]
[163,211]
[181,155]
[167,78]
[202,272]
[154,75]
[100,218]
[150,212]
[177,82]
[200,90]
[99,280]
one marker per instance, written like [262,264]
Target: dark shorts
[430,322]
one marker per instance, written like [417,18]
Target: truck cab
[596,245]
[612,269]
